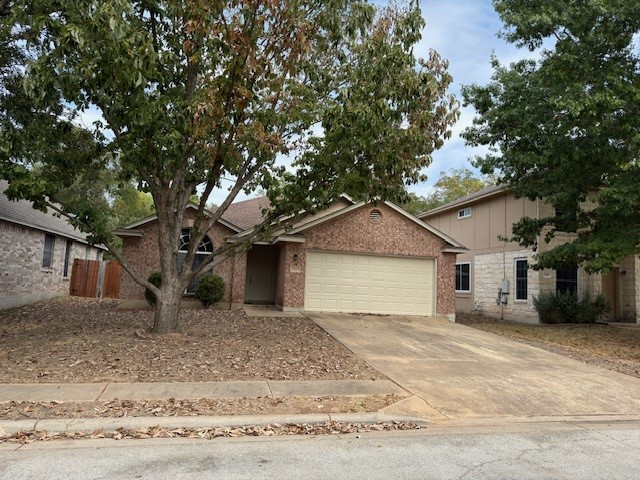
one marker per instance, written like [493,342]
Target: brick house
[480,220]
[351,257]
[36,252]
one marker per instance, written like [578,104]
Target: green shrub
[569,307]
[155,279]
[210,289]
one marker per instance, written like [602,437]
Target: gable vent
[375,216]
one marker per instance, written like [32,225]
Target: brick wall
[21,253]
[353,232]
[141,253]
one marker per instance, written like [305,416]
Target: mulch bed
[78,340]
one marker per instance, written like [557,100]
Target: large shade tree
[564,126]
[208,95]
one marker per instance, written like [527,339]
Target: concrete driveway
[457,372]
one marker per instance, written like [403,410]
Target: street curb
[90,425]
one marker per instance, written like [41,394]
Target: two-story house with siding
[494,278]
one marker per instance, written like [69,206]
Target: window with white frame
[47,254]
[204,249]
[463,277]
[464,213]
[522,268]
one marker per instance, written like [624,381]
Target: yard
[607,346]
[76,340]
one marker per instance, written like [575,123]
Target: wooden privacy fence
[93,278]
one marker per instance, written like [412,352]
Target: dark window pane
[521,279]
[463,277]
[47,256]
[67,254]
[567,280]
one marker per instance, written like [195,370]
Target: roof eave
[127,233]
[456,204]
[455,250]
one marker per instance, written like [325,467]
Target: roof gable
[131,227]
[290,235]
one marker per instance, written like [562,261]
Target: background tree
[565,128]
[130,204]
[458,183]
[194,92]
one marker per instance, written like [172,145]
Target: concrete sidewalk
[89,392]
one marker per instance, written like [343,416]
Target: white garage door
[341,282]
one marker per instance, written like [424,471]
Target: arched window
[204,249]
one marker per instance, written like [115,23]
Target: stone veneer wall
[353,232]
[489,270]
[21,271]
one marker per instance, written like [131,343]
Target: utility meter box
[505,286]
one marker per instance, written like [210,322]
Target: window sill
[463,292]
[46,270]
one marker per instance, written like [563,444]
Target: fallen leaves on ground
[77,340]
[116,408]
[610,347]
[327,428]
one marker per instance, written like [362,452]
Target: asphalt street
[553,451]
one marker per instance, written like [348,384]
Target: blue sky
[465,33]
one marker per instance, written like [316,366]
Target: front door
[261,273]
[610,287]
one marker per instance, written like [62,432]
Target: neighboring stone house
[36,252]
[480,220]
[351,257]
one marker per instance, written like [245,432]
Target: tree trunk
[168,307]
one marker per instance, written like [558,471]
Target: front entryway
[261,274]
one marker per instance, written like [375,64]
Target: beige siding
[490,218]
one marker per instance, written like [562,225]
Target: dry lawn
[611,347]
[76,340]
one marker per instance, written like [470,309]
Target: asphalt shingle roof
[21,212]
[246,214]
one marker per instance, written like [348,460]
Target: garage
[346,282]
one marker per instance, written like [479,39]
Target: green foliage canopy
[564,127]
[208,95]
